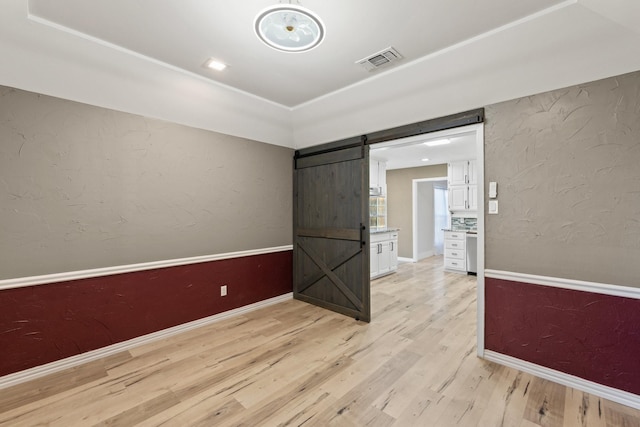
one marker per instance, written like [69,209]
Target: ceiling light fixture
[437,142]
[289,28]
[425,160]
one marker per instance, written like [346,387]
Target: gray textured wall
[400,201]
[84,187]
[567,163]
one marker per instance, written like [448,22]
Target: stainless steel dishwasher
[472,253]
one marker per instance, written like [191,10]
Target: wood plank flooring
[294,364]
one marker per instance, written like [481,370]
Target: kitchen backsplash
[464,223]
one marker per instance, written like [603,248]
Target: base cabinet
[455,254]
[384,253]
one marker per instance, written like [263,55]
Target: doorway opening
[465,143]
[442,217]
[426,230]
[320,162]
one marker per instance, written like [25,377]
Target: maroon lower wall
[592,336]
[44,323]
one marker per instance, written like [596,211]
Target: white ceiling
[412,152]
[145,57]
[186,33]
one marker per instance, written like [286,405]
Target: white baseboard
[70,362]
[610,393]
[557,282]
[403,259]
[107,271]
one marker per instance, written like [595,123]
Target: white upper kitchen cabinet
[378,176]
[473,172]
[382,177]
[373,174]
[473,198]
[458,197]
[458,172]
[463,188]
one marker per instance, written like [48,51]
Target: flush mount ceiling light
[289,28]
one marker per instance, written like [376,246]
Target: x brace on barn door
[327,270]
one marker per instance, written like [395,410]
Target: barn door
[331,227]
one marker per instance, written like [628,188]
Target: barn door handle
[362,228]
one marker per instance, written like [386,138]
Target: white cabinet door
[382,177]
[373,262]
[378,176]
[393,255]
[458,172]
[473,198]
[384,263]
[373,174]
[473,172]
[458,198]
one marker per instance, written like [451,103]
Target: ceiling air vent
[380,59]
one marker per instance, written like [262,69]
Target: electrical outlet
[223,290]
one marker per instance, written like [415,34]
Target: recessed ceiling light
[437,142]
[214,64]
[425,160]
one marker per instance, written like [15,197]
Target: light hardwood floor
[293,364]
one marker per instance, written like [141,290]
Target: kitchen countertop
[461,230]
[386,230]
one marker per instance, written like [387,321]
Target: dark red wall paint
[44,323]
[592,336]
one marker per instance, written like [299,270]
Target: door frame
[481,237]
[473,119]
[478,129]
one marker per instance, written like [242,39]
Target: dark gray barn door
[331,227]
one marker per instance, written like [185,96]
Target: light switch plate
[493,190]
[493,207]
